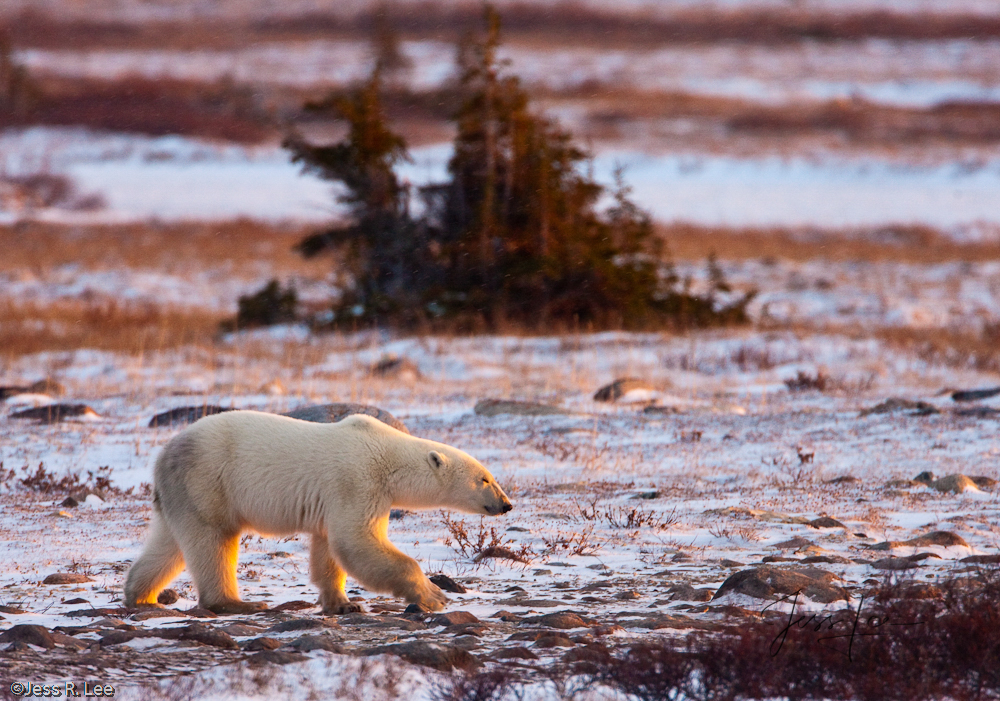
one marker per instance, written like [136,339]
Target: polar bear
[247,470]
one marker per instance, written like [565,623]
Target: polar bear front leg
[328,576]
[211,558]
[369,557]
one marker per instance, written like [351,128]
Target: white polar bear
[247,470]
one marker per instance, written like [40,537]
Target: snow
[902,73]
[172,178]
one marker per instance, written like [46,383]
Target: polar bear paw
[341,609]
[430,597]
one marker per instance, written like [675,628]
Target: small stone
[168,597]
[955,484]
[902,563]
[147,614]
[845,479]
[554,640]
[274,657]
[987,484]
[184,415]
[893,404]
[497,407]
[563,620]
[67,578]
[515,653]
[332,413]
[395,367]
[295,624]
[29,634]
[443,658]
[619,388]
[296,605]
[446,583]
[308,643]
[415,608]
[826,522]
[262,643]
[69,503]
[54,413]
[982,559]
[796,543]
[453,618]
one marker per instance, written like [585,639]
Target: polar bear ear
[436,460]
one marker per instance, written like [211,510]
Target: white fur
[247,470]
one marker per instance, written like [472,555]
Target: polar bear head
[466,485]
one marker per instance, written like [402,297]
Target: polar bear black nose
[506,507]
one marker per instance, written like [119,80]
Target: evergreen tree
[514,234]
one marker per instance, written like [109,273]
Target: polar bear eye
[486,480]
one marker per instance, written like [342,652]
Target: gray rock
[902,563]
[332,413]
[515,653]
[30,634]
[446,583]
[275,657]
[956,484]
[971,395]
[987,484]
[686,592]
[496,407]
[67,578]
[769,582]
[261,643]
[168,597]
[894,404]
[825,522]
[982,559]
[308,643]
[396,367]
[943,538]
[443,658]
[185,415]
[46,386]
[54,413]
[562,620]
[619,388]
[295,624]
[453,618]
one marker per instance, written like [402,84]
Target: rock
[147,614]
[199,633]
[397,368]
[844,479]
[117,637]
[332,413]
[619,388]
[987,484]
[629,595]
[295,624]
[796,543]
[46,386]
[647,495]
[893,404]
[274,657]
[415,608]
[956,484]
[30,634]
[553,640]
[443,658]
[185,415]
[54,413]
[768,582]
[453,618]
[902,563]
[16,610]
[563,620]
[825,522]
[496,407]
[972,395]
[297,605]
[978,412]
[97,612]
[826,560]
[446,583]
[982,559]
[308,643]
[926,477]
[261,643]
[69,503]
[67,578]
[168,597]
[686,592]
[943,538]
[515,653]
[240,630]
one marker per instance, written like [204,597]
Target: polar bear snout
[501,507]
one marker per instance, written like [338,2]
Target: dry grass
[902,244]
[102,325]
[562,23]
[242,248]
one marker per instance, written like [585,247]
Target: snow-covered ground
[176,178]
[905,73]
[160,10]
[729,474]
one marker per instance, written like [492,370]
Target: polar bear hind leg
[160,562]
[329,577]
[211,559]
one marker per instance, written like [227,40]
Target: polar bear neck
[410,480]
